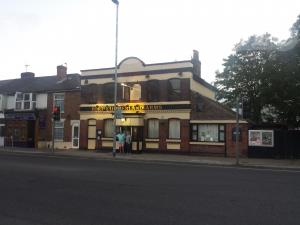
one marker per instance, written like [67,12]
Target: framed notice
[264,138]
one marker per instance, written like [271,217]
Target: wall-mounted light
[123,120]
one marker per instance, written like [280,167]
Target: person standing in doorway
[128,142]
[121,138]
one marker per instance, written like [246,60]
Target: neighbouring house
[26,107]
[167,107]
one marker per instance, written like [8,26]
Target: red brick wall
[243,144]
[185,135]
[49,117]
[83,134]
[71,112]
[208,150]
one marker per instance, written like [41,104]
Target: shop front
[149,124]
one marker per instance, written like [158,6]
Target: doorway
[75,135]
[137,136]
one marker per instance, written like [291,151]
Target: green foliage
[265,74]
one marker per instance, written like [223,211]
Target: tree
[266,75]
[243,74]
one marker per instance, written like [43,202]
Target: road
[42,190]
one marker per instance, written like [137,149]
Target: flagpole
[116,79]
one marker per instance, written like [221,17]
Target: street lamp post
[237,134]
[116,78]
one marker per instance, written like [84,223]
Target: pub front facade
[167,107]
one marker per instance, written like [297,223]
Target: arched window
[153,128]
[108,92]
[174,128]
[174,89]
[89,93]
[153,90]
[108,128]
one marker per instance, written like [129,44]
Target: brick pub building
[167,107]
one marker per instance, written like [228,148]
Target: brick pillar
[163,134]
[230,143]
[185,135]
[83,134]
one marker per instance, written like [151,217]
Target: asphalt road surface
[41,190]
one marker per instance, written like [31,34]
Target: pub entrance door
[136,133]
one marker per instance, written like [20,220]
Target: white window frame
[61,103]
[196,133]
[21,101]
[59,125]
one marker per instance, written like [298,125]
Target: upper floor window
[153,90]
[174,89]
[59,101]
[25,101]
[108,92]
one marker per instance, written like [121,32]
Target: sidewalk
[166,158]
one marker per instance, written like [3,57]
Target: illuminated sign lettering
[133,107]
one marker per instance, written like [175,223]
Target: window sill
[173,140]
[152,139]
[106,139]
[207,143]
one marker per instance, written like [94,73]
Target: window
[58,130]
[208,132]
[108,128]
[25,101]
[153,90]
[59,101]
[174,129]
[19,100]
[153,128]
[174,89]
[108,92]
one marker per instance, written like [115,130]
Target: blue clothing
[121,138]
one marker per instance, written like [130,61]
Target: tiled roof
[40,84]
[210,109]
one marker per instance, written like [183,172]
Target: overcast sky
[81,33]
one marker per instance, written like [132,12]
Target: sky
[81,33]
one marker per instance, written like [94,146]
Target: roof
[40,84]
[210,109]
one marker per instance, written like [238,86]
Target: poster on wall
[264,138]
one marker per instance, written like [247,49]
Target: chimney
[26,75]
[61,72]
[196,63]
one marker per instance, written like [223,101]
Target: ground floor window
[208,132]
[59,130]
[108,128]
[153,128]
[174,129]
